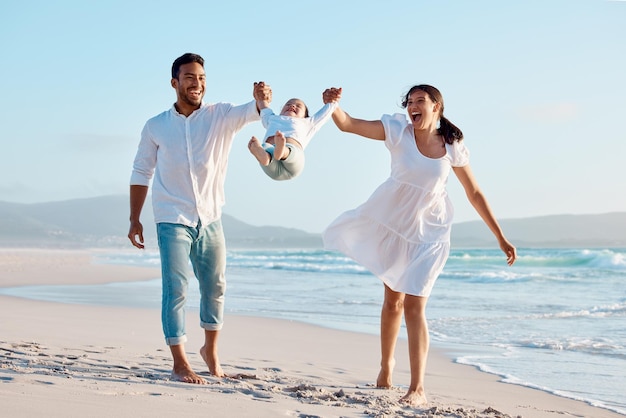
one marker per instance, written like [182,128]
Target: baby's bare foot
[262,156]
[280,149]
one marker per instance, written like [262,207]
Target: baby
[281,154]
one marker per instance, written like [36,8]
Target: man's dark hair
[187,58]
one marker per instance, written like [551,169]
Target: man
[186,150]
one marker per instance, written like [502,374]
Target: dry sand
[63,360]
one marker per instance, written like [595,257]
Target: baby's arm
[331,98]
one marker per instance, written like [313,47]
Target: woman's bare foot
[186,375]
[384,380]
[384,376]
[262,156]
[414,398]
[213,362]
[280,149]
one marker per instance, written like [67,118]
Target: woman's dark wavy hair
[447,129]
[187,58]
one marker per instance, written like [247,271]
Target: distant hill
[566,231]
[103,222]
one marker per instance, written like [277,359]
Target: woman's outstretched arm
[479,202]
[367,128]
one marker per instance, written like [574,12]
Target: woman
[402,232]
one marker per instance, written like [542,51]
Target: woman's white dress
[402,232]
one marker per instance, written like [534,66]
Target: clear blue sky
[538,87]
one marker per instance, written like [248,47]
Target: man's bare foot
[262,156]
[414,398]
[186,375]
[280,149]
[213,362]
[384,376]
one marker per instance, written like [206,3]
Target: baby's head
[295,108]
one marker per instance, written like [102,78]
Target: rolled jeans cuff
[176,340]
[210,327]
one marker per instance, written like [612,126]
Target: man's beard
[190,101]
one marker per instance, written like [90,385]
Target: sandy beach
[64,360]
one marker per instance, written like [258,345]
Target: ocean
[555,321]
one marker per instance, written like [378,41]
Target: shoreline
[285,367]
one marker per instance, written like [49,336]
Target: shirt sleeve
[266,115]
[321,116]
[394,126]
[145,159]
[316,121]
[243,114]
[459,154]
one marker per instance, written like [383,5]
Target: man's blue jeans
[205,247]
